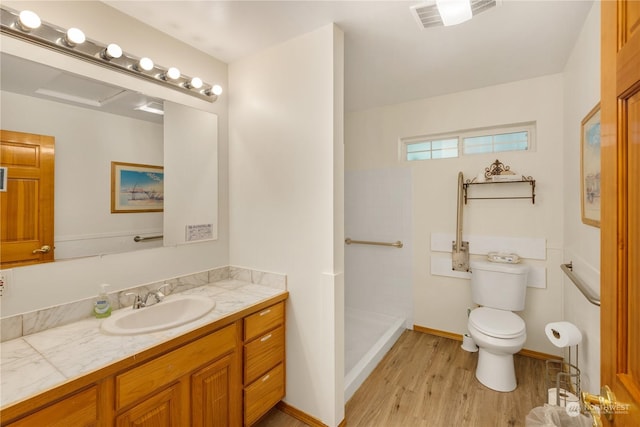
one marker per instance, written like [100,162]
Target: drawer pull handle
[264,338]
[267,311]
[266,377]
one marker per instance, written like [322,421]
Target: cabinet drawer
[263,394]
[149,377]
[263,353]
[259,323]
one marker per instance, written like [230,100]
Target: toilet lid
[497,323]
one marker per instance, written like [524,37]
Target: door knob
[603,404]
[43,250]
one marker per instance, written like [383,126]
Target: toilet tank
[499,285]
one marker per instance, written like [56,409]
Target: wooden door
[26,228]
[620,222]
[216,400]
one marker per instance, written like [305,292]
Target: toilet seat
[497,323]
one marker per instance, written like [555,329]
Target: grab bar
[397,244]
[142,239]
[582,287]
[460,249]
[458,242]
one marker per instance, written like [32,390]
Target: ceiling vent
[427,15]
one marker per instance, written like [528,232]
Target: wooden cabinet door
[620,223]
[26,204]
[80,410]
[160,410]
[216,397]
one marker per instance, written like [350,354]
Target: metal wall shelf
[526,180]
[496,169]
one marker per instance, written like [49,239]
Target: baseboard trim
[458,337]
[538,355]
[437,333]
[303,416]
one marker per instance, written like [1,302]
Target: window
[434,149]
[512,141]
[518,137]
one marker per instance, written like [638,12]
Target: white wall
[372,141]
[55,283]
[286,189]
[86,141]
[582,242]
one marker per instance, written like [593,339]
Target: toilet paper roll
[564,395]
[563,334]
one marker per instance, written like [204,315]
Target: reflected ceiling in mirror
[30,78]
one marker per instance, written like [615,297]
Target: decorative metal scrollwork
[495,168]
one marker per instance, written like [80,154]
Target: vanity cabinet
[226,374]
[263,361]
[207,366]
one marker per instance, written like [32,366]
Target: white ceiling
[388,58]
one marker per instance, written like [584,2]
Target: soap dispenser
[102,306]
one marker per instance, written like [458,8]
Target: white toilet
[499,289]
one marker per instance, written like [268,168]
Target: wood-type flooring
[429,381]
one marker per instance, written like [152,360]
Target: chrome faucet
[137,301]
[151,298]
[157,295]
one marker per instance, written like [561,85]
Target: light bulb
[216,90]
[144,64]
[172,73]
[28,20]
[74,36]
[195,83]
[112,51]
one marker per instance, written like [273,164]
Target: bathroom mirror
[94,124]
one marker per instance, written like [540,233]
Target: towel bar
[142,239]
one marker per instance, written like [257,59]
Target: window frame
[529,127]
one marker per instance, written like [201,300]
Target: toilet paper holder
[562,381]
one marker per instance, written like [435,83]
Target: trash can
[557,416]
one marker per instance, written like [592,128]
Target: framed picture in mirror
[136,188]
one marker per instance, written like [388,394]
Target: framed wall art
[590,168]
[136,188]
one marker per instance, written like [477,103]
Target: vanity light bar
[109,56]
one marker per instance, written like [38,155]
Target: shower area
[378,272]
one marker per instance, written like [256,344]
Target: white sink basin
[173,311]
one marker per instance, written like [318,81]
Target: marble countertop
[35,363]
